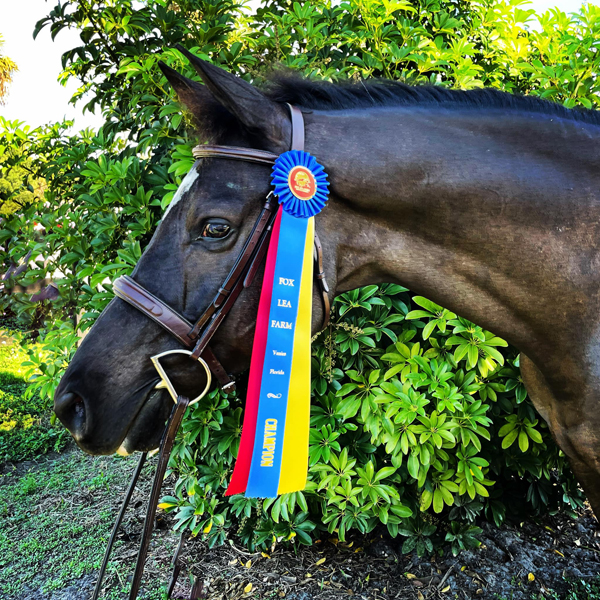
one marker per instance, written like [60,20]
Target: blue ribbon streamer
[263,480]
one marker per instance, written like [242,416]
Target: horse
[485,202]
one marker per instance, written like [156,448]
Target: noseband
[196,337]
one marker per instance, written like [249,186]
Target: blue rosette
[300,183]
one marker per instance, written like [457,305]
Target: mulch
[517,561]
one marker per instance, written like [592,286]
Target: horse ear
[252,108]
[193,95]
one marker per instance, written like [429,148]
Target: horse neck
[474,209]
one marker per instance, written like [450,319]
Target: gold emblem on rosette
[302,183]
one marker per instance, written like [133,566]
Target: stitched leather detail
[133,293]
[236,153]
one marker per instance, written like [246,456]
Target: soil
[519,561]
[515,562]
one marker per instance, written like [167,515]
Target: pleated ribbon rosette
[273,454]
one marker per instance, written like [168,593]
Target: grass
[581,590]
[56,513]
[25,428]
[577,590]
[55,520]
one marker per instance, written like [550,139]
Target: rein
[196,337]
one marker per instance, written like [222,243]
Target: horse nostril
[70,409]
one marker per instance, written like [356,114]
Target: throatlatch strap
[320,277]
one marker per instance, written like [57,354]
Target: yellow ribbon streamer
[294,459]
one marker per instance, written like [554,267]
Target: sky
[35,95]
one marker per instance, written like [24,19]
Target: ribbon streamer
[273,454]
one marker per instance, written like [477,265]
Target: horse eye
[215,230]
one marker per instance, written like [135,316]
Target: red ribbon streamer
[239,479]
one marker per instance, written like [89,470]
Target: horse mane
[216,123]
[324,95]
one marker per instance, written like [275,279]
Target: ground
[56,513]
[57,510]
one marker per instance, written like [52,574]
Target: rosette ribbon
[273,454]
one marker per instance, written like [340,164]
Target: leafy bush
[18,188]
[417,413]
[583,589]
[24,428]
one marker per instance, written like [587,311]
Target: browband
[246,154]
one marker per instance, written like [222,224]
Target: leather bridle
[196,337]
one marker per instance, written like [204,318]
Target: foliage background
[429,409]
[7,69]
[24,428]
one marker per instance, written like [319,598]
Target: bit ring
[165,382]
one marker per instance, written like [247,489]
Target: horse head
[108,397]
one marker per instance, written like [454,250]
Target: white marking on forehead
[185,186]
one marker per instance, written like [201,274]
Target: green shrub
[416,417]
[590,590]
[25,431]
[430,411]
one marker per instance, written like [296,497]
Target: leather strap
[177,569]
[252,154]
[320,277]
[241,265]
[197,590]
[176,565]
[139,297]
[166,445]
[259,257]
[298,144]
[216,320]
[113,535]
[220,314]
[297,128]
[236,153]
[218,370]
